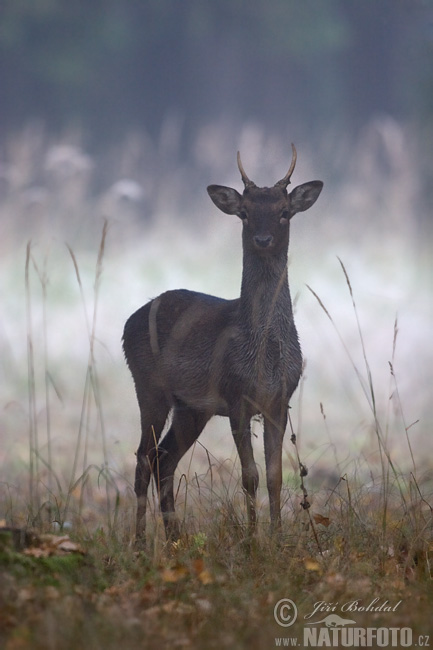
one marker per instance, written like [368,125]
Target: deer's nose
[263,241]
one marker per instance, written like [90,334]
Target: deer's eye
[284,217]
[243,215]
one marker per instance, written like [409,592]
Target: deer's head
[266,211]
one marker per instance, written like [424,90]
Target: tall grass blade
[368,390]
[91,393]
[32,415]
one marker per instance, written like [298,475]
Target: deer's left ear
[304,196]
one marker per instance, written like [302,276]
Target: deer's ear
[225,198]
[304,196]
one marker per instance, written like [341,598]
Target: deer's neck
[265,302]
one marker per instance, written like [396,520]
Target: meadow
[84,242]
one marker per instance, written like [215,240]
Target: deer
[194,355]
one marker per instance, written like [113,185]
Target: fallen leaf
[201,572]
[312,565]
[46,545]
[198,565]
[68,546]
[175,574]
[35,551]
[176,607]
[340,544]
[205,577]
[320,519]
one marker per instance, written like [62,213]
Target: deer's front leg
[250,477]
[273,438]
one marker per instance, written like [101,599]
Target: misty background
[125,111]
[112,66]
[163,72]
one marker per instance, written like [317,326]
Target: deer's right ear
[225,198]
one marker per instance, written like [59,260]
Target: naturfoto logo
[333,620]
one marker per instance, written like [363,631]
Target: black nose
[263,241]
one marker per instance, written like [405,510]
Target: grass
[217,588]
[357,526]
[348,543]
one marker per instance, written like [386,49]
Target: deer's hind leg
[185,429]
[154,409]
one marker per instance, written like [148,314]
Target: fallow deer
[198,356]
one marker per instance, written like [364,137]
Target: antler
[286,180]
[245,178]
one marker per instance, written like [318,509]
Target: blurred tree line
[116,65]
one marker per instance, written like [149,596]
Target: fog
[136,142]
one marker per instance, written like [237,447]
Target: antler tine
[245,178]
[286,180]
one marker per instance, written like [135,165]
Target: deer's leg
[185,429]
[154,410]
[250,477]
[273,438]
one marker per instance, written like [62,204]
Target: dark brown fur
[200,356]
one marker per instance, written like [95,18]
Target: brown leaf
[312,565]
[177,607]
[198,565]
[34,551]
[320,519]
[201,572]
[46,545]
[175,574]
[68,546]
[205,577]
